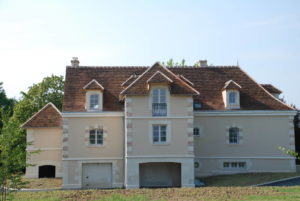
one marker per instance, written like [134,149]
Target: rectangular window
[96,137]
[159,133]
[196,131]
[232,98]
[94,102]
[235,165]
[234,136]
[159,102]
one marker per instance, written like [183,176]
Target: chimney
[202,63]
[75,62]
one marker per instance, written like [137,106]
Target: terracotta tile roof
[48,116]
[93,85]
[140,87]
[209,81]
[232,85]
[270,88]
[159,77]
[129,80]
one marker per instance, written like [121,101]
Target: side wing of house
[44,138]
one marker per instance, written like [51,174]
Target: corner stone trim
[65,138]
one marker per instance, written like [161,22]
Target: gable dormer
[93,96]
[231,95]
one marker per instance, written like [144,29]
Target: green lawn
[172,194]
[247,179]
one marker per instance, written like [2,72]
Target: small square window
[196,132]
[226,165]
[96,137]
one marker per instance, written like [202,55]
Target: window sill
[161,143]
[95,146]
[234,144]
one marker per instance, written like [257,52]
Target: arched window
[234,135]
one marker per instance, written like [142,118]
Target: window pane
[242,165]
[99,137]
[232,98]
[162,95]
[226,164]
[92,137]
[196,131]
[94,102]
[155,133]
[233,135]
[234,164]
[163,133]
[155,96]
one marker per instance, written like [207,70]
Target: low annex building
[160,126]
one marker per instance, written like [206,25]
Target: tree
[6,104]
[49,90]
[11,157]
[171,63]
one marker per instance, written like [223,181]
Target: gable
[177,86]
[48,116]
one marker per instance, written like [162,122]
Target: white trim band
[92,114]
[247,113]
[85,159]
[162,156]
[247,157]
[43,149]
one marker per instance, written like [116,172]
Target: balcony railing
[159,109]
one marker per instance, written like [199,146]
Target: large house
[159,126]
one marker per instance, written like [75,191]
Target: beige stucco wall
[178,121]
[260,138]
[78,144]
[48,143]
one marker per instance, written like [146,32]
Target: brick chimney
[75,62]
[202,63]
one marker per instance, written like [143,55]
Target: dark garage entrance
[159,174]
[47,171]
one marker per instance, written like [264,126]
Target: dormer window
[94,102]
[159,102]
[94,96]
[231,95]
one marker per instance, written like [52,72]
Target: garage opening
[157,175]
[97,175]
[47,171]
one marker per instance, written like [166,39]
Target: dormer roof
[93,85]
[270,88]
[48,116]
[140,85]
[159,77]
[231,85]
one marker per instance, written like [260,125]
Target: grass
[172,194]
[246,179]
[44,183]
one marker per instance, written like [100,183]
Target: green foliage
[289,152]
[12,156]
[49,90]
[6,104]
[171,63]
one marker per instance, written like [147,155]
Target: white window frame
[159,126]
[97,131]
[152,87]
[237,137]
[168,134]
[88,100]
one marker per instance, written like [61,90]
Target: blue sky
[38,38]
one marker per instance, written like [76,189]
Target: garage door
[160,175]
[97,175]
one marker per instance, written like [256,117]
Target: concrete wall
[49,143]
[260,138]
